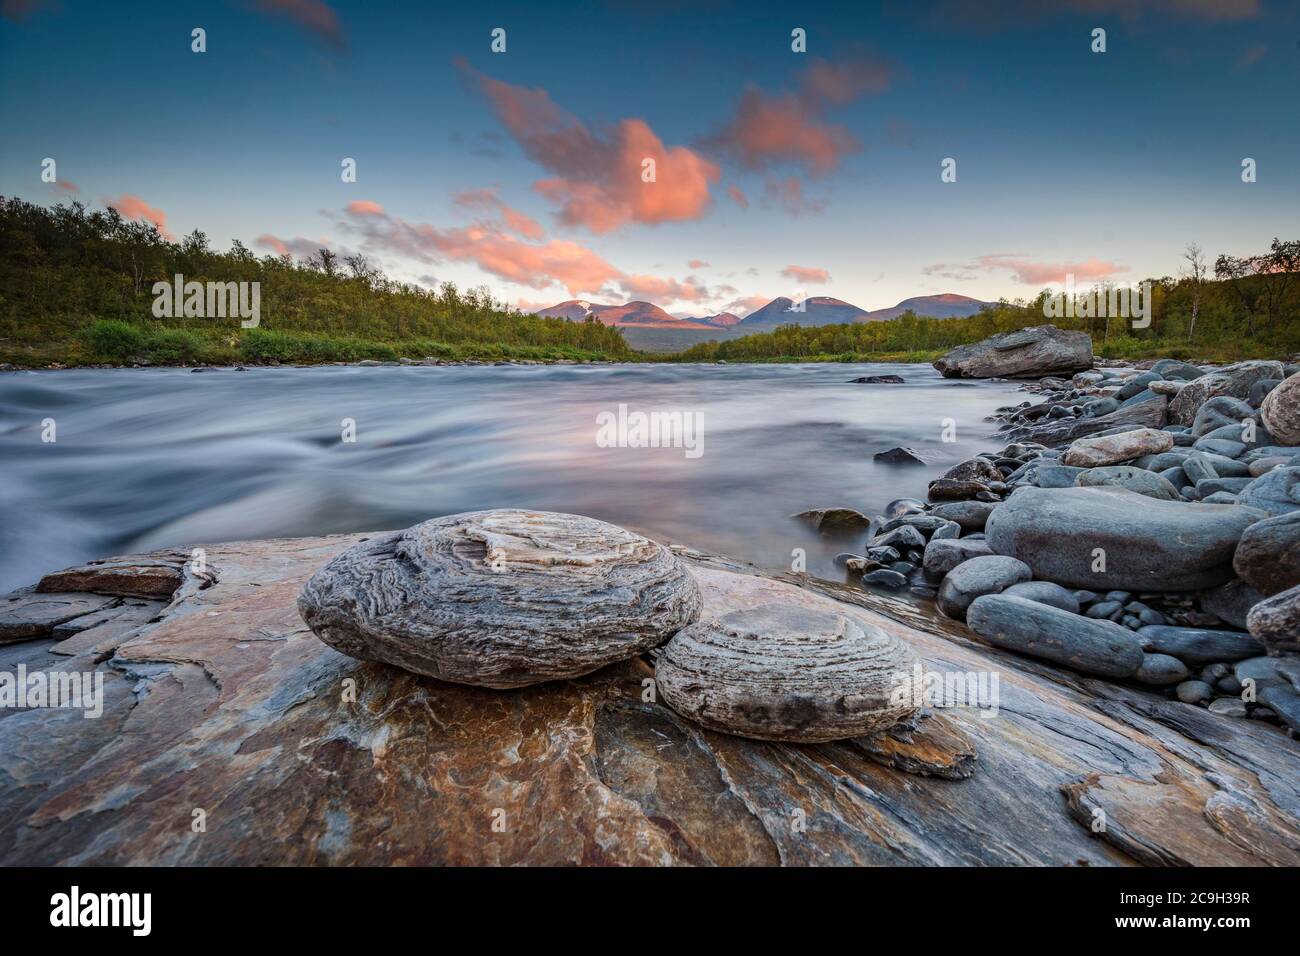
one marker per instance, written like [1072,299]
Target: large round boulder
[1024,353]
[1276,622]
[501,598]
[989,574]
[1080,643]
[779,672]
[1107,539]
[1281,411]
[1276,492]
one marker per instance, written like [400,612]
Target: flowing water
[148,458]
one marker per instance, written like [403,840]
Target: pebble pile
[1138,523]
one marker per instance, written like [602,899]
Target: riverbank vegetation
[76,289]
[1251,309]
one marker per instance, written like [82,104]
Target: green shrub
[112,340]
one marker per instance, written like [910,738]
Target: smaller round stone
[777,672]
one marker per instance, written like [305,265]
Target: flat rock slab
[24,617]
[302,755]
[501,598]
[1107,539]
[783,672]
[1024,353]
[151,579]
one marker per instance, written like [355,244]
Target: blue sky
[1106,164]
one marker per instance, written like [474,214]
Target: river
[149,458]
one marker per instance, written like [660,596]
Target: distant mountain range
[815,310]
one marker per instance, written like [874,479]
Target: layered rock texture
[501,598]
[223,700]
[779,672]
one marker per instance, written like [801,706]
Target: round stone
[501,598]
[777,672]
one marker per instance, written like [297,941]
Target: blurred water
[148,458]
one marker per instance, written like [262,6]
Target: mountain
[641,315]
[947,305]
[574,310]
[817,310]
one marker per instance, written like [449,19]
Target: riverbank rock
[1233,380]
[1199,645]
[1111,449]
[1276,622]
[501,598]
[1039,630]
[155,579]
[899,456]
[1105,539]
[779,672]
[835,522]
[988,574]
[1126,476]
[1268,556]
[970,515]
[1025,353]
[877,380]
[1280,411]
[1276,492]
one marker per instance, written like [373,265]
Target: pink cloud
[557,262]
[365,207]
[738,196]
[791,128]
[806,275]
[598,175]
[67,185]
[315,16]
[136,209]
[1041,273]
[515,220]
[697,264]
[746,304]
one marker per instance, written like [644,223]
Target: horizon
[778,173]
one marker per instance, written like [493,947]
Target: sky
[775,171]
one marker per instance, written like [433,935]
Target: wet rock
[945,554]
[785,673]
[945,489]
[1199,645]
[835,522]
[885,578]
[1284,701]
[1161,670]
[1126,476]
[501,598]
[1143,414]
[899,456]
[970,515]
[1268,556]
[1093,647]
[1233,380]
[877,380]
[988,574]
[1111,449]
[900,538]
[974,469]
[1276,493]
[1025,353]
[1275,621]
[1194,692]
[1147,544]
[1045,592]
[904,506]
[1280,411]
